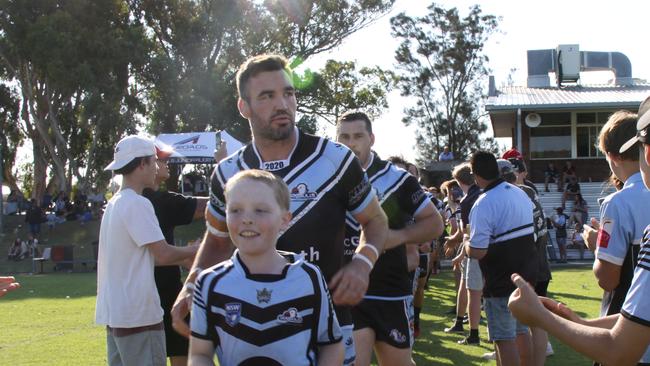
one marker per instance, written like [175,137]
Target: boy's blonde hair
[620,127]
[463,174]
[280,189]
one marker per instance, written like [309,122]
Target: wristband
[374,249]
[364,259]
[189,286]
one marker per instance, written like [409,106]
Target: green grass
[50,321]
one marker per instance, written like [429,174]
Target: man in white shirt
[130,244]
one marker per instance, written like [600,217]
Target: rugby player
[383,319]
[325,181]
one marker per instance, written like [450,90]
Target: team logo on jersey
[233,313]
[397,336]
[290,316]
[214,200]
[417,196]
[264,295]
[604,233]
[301,193]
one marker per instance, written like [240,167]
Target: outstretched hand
[8,284]
[560,309]
[524,302]
[590,234]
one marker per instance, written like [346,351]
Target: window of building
[587,130]
[552,139]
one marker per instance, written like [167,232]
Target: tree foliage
[87,72]
[441,65]
[339,87]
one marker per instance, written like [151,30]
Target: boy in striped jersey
[262,306]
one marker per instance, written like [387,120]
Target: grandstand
[591,192]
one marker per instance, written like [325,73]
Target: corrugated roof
[513,97]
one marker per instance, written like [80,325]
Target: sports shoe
[470,340]
[457,328]
[489,356]
[549,349]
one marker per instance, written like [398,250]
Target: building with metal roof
[555,123]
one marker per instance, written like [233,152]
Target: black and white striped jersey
[401,197]
[325,180]
[272,319]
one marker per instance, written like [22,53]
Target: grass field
[49,321]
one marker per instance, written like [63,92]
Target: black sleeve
[178,209]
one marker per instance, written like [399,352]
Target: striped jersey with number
[264,319]
[325,180]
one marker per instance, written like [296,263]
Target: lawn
[49,321]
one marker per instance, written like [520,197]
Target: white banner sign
[196,147]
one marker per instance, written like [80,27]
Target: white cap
[129,148]
[641,126]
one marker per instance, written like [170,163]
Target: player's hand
[450,248]
[560,309]
[457,261]
[350,283]
[524,302]
[590,234]
[8,284]
[179,312]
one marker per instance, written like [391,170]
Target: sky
[610,26]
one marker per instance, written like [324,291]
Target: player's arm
[213,249]
[427,226]
[331,354]
[201,204]
[612,246]
[624,344]
[166,255]
[201,352]
[350,283]
[608,274]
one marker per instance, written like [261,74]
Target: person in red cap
[172,209]
[513,153]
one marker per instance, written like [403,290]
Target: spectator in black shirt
[551,175]
[572,189]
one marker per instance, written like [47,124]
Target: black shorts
[541,287]
[424,265]
[392,320]
[176,344]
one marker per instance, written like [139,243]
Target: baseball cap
[129,148]
[641,127]
[505,167]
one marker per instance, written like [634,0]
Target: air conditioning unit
[568,57]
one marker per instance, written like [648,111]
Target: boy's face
[254,217]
